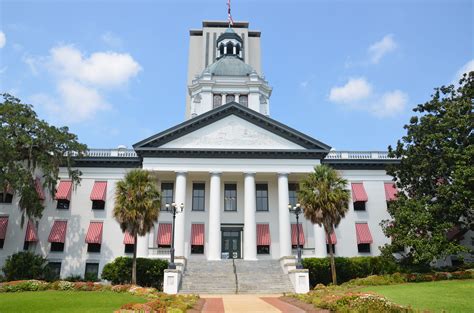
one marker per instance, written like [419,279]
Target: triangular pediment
[231,132]
[231,127]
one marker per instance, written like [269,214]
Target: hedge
[149,271]
[26,265]
[347,268]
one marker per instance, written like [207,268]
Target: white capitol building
[233,167]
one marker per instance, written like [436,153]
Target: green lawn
[450,296]
[65,301]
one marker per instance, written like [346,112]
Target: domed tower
[228,79]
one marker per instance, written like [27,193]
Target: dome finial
[229,16]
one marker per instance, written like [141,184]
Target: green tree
[29,146]
[435,176]
[25,265]
[325,200]
[137,206]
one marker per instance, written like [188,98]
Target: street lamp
[173,209]
[297,210]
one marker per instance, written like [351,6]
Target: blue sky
[347,73]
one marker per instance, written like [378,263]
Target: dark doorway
[231,247]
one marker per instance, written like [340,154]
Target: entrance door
[231,244]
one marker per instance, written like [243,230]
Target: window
[263,249]
[237,49]
[166,195]
[63,204]
[230,48]
[92,272]
[195,249]
[221,49]
[93,247]
[229,98]
[333,248]
[363,247]
[26,246]
[217,101]
[293,193]
[230,197]
[6,198]
[98,205]
[2,242]
[57,246]
[359,206]
[129,248]
[198,196]
[244,100]
[55,269]
[262,197]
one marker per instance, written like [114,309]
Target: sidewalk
[247,304]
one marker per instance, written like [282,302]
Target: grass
[450,296]
[65,301]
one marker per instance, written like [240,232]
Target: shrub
[24,285]
[149,271]
[25,265]
[74,278]
[347,268]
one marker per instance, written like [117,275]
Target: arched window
[237,49]
[230,48]
[244,100]
[221,49]
[217,101]
[229,98]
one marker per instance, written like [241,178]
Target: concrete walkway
[247,304]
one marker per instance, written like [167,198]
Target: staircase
[201,276]
[234,276]
[262,276]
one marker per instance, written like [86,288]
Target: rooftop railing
[332,155]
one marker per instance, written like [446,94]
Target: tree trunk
[134,261]
[333,263]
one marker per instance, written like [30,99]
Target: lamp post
[297,210]
[173,209]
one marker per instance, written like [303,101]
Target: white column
[214,245]
[142,246]
[250,227]
[319,241]
[180,197]
[284,215]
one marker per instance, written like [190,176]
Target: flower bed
[159,302]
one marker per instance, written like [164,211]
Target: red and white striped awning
[294,234]
[263,235]
[128,239]
[64,190]
[164,234]
[197,234]
[332,238]
[363,233]
[39,188]
[358,192]
[58,232]
[3,226]
[94,233]
[99,191]
[31,235]
[390,191]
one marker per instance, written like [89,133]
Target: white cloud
[3,39]
[390,103]
[81,82]
[380,48]
[358,94]
[466,68]
[105,69]
[112,40]
[354,90]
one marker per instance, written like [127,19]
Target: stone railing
[106,153]
[357,155]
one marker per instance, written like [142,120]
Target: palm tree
[137,206]
[325,200]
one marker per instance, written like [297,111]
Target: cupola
[229,43]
